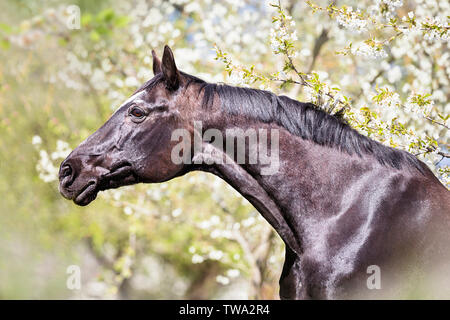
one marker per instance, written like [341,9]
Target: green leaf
[106,15]
[62,42]
[121,21]
[5,44]
[94,36]
[6,28]
[86,19]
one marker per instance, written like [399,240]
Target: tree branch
[320,41]
[437,122]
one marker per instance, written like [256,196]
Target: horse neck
[298,189]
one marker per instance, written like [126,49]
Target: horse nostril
[66,171]
[66,174]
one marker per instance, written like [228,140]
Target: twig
[437,122]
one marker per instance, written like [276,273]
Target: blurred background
[193,237]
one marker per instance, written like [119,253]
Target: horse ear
[169,69]
[156,63]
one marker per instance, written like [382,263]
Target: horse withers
[359,219]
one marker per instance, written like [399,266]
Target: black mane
[301,119]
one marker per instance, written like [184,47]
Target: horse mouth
[120,175]
[87,194]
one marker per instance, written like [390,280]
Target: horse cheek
[158,166]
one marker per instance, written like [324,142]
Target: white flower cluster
[439,33]
[444,177]
[423,110]
[196,258]
[222,280]
[392,4]
[62,150]
[36,141]
[48,172]
[352,21]
[237,78]
[248,222]
[358,115]
[432,28]
[218,233]
[280,34]
[213,254]
[367,51]
[388,8]
[216,254]
[206,224]
[391,101]
[233,273]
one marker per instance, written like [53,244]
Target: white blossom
[414,107]
[196,258]
[176,212]
[439,33]
[131,82]
[248,222]
[62,150]
[222,280]
[216,254]
[391,4]
[367,51]
[352,22]
[48,172]
[36,140]
[233,273]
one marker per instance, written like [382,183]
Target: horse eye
[137,112]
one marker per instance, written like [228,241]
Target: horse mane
[305,120]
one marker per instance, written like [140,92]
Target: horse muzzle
[77,181]
[80,180]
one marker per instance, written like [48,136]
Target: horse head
[135,144]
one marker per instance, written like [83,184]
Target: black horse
[347,207]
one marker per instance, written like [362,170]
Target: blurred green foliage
[113,239]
